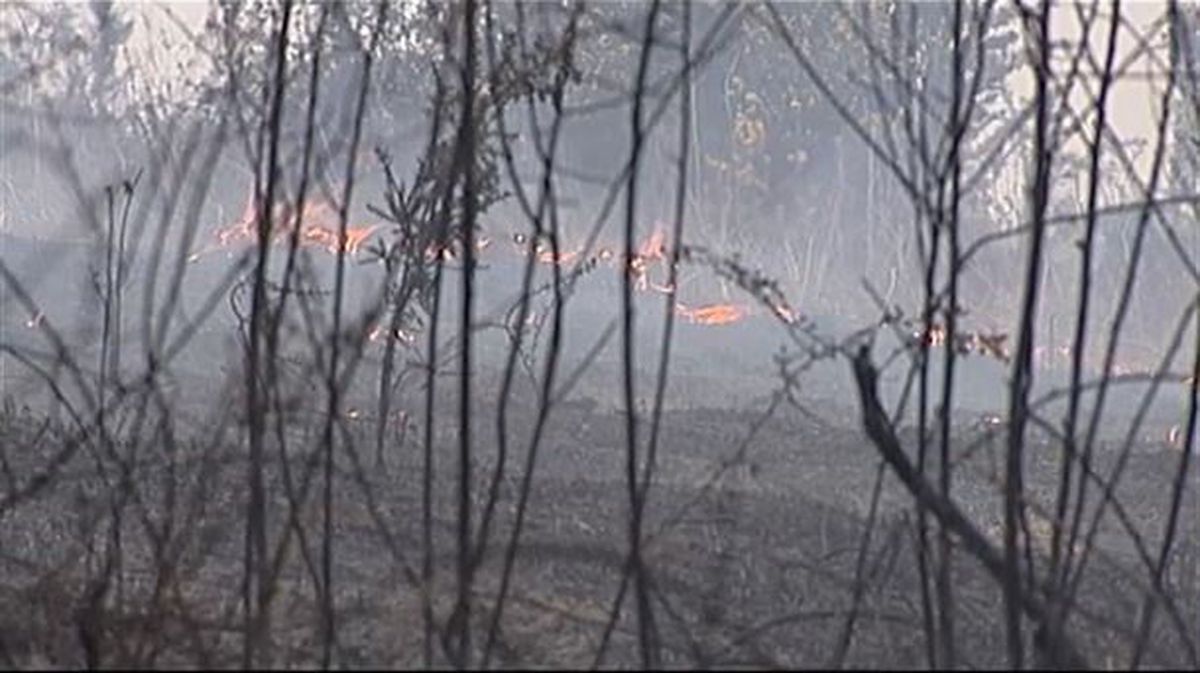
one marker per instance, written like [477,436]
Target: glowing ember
[785,314]
[379,333]
[637,269]
[654,247]
[1175,437]
[546,256]
[965,343]
[992,420]
[446,252]
[648,254]
[936,336]
[712,314]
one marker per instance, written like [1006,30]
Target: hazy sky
[159,48]
[1133,106]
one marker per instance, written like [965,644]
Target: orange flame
[546,256]
[317,224]
[318,219]
[712,314]
[327,239]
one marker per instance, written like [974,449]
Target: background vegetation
[693,333]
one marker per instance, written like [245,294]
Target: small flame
[712,314]
[648,254]
[546,256]
[936,336]
[317,223]
[654,247]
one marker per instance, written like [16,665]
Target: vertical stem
[441,217]
[1057,570]
[466,164]
[332,388]
[255,593]
[1022,378]
[945,560]
[106,325]
[1179,485]
[636,567]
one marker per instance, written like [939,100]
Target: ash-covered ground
[752,531]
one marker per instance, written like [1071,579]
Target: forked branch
[883,435]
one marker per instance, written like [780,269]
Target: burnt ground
[753,527]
